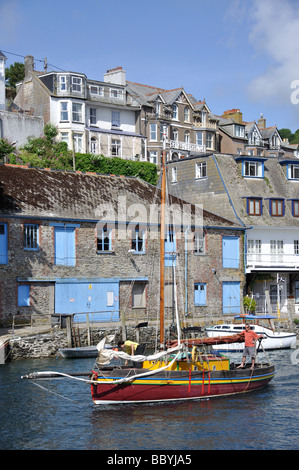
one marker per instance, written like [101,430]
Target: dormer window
[253,169]
[239,131]
[293,172]
[77,84]
[62,82]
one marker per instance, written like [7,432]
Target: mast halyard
[162,239]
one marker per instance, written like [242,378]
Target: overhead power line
[37,60]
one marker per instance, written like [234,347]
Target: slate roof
[274,185]
[55,194]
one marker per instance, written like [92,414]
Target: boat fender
[194,354]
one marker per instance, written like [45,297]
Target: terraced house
[262,194]
[91,116]
[189,125]
[73,243]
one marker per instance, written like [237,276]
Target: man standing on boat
[130,347]
[250,340]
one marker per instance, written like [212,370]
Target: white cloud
[274,35]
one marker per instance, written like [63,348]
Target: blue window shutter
[3,244]
[24,296]
[200,297]
[64,246]
[230,252]
[170,249]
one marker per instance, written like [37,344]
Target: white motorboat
[271,339]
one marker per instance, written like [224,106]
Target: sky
[235,54]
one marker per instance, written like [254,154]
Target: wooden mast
[162,239]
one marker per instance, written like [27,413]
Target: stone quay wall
[47,344]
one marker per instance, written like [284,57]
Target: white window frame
[64,137]
[138,240]
[77,84]
[175,112]
[200,170]
[154,157]
[62,82]
[77,112]
[199,138]
[296,247]
[253,169]
[64,111]
[186,114]
[104,240]
[93,145]
[210,140]
[93,116]
[78,142]
[115,118]
[153,132]
[239,131]
[116,93]
[116,147]
[293,173]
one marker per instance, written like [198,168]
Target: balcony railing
[205,125]
[178,145]
[271,261]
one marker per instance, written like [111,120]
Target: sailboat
[184,369]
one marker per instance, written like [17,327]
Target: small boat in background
[76,353]
[271,339]
[80,352]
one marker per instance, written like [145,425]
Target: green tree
[14,73]
[6,148]
[286,134]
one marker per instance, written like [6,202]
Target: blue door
[231,297]
[230,252]
[170,249]
[3,244]
[98,299]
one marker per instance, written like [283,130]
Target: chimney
[261,123]
[29,65]
[234,114]
[116,76]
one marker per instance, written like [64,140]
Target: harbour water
[60,415]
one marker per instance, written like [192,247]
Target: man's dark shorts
[249,351]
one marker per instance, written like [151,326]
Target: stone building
[73,243]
